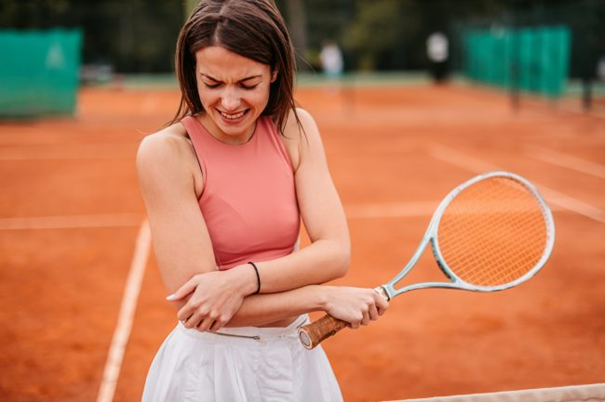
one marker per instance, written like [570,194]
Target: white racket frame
[431,236]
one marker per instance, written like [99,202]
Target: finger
[187,321]
[217,325]
[381,292]
[205,324]
[184,290]
[366,318]
[381,302]
[193,321]
[373,311]
[184,313]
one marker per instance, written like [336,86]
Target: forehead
[224,64]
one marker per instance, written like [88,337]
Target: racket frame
[431,236]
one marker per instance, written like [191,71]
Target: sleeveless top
[249,196]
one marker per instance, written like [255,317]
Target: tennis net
[577,393]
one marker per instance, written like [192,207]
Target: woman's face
[234,91]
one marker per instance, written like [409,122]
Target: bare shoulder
[300,134]
[162,145]
[307,126]
[165,154]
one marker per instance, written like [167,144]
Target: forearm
[262,309]
[320,262]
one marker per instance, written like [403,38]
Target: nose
[230,100]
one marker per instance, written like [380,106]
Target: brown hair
[251,28]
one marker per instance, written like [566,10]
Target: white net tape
[578,393]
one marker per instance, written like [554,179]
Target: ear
[273,76]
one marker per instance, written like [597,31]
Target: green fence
[530,59]
[39,72]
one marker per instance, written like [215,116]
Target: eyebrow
[242,80]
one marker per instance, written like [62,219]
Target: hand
[357,306]
[215,297]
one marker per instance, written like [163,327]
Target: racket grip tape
[313,334]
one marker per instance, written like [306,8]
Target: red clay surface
[60,289]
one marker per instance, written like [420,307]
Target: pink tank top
[249,197]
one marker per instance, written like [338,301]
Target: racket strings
[493,232]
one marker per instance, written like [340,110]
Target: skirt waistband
[259,334]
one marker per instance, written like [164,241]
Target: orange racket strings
[493,232]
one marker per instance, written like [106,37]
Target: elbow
[342,260]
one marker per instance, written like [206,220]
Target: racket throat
[392,292]
[382,291]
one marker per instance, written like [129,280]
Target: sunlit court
[83,303]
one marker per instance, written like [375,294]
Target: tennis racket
[490,233]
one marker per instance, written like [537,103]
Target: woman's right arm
[180,238]
[167,169]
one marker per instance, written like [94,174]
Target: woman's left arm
[328,255]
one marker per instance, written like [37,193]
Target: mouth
[233,117]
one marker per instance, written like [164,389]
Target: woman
[225,186]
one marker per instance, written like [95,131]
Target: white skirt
[240,365]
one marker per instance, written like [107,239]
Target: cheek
[205,95]
[261,98]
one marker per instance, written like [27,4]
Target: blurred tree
[140,35]
[381,28]
[326,22]
[189,5]
[375,29]
[298,28]
[391,34]
[132,35]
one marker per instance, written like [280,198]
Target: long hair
[251,28]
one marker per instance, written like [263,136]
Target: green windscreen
[530,59]
[39,72]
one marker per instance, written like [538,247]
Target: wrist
[258,285]
[245,277]
[322,300]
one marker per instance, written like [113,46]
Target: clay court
[71,231]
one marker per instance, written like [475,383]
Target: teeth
[232,116]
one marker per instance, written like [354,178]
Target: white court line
[121,334]
[567,161]
[390,210]
[395,210]
[29,155]
[475,165]
[70,221]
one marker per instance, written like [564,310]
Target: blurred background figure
[331,60]
[601,68]
[332,64]
[437,52]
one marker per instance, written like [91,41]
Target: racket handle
[313,334]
